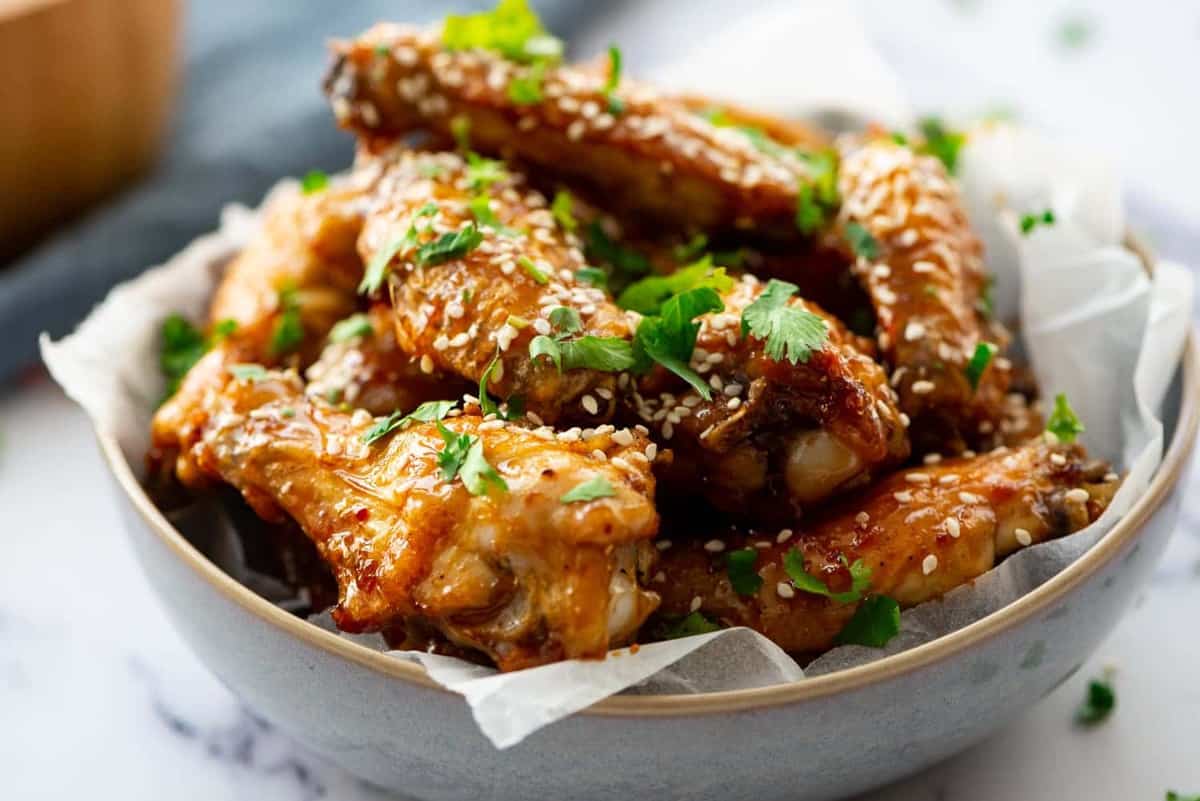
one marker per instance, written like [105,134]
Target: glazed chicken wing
[920,533]
[655,157]
[478,267]
[497,557]
[777,435]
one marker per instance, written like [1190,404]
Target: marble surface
[99,698]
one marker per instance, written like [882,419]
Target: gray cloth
[250,112]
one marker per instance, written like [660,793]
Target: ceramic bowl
[822,738]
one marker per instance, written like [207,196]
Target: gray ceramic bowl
[823,738]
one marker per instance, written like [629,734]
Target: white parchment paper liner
[1096,326]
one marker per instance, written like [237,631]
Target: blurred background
[125,125]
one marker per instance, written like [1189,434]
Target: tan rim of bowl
[1124,533]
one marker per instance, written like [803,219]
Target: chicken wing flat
[777,435]
[923,269]
[655,157]
[533,560]
[918,533]
[478,268]
[363,367]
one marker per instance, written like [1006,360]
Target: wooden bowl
[85,94]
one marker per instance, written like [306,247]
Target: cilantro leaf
[427,412]
[647,295]
[740,567]
[1099,703]
[481,210]
[248,372]
[695,623]
[941,142]
[561,209]
[182,346]
[1063,422]
[860,578]
[789,332]
[482,173]
[377,269]
[978,362]
[356,325]
[453,454]
[452,245]
[594,276]
[313,181]
[1031,221]
[543,345]
[615,104]
[986,305]
[595,487]
[526,90]
[532,270]
[288,332]
[861,241]
[566,320]
[817,194]
[460,129]
[607,354]
[476,473]
[486,404]
[875,622]
[512,29]
[670,338]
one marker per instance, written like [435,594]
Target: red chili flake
[362,514]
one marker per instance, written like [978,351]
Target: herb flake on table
[1031,221]
[1098,703]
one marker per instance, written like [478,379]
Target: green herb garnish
[875,622]
[449,246]
[526,89]
[288,332]
[511,29]
[356,325]
[978,362]
[593,275]
[561,209]
[817,196]
[860,578]
[739,565]
[248,372]
[607,354]
[313,181]
[789,332]
[941,142]
[670,338]
[861,241]
[482,173]
[647,295]
[182,346]
[695,623]
[690,250]
[601,249]
[1031,221]
[427,412]
[481,210]
[1097,705]
[615,104]
[1063,423]
[462,456]
[595,487]
[532,270]
[986,304]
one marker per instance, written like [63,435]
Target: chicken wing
[655,157]
[903,226]
[516,567]
[776,436]
[920,533]
[486,297]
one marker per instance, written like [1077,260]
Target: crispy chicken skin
[922,532]
[459,314]
[776,436]
[657,157]
[925,285]
[371,372]
[516,573]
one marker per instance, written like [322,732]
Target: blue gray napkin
[250,112]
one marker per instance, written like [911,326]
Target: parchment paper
[1090,318]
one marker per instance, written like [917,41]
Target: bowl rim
[1175,460]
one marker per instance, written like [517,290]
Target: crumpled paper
[1090,317]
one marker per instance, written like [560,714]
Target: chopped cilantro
[449,246]
[626,263]
[607,354]
[860,578]
[288,332]
[740,567]
[525,90]
[182,346]
[477,473]
[561,209]
[482,172]
[1031,221]
[899,138]
[430,170]
[594,276]
[427,412]
[566,320]
[1097,705]
[248,372]
[978,362]
[454,453]
[481,210]
[875,622]
[615,104]
[789,332]
[595,487]
[377,268]
[543,345]
[460,129]
[670,338]
[690,250]
[695,623]
[647,295]
[356,325]
[817,194]
[485,401]
[861,241]
[313,181]
[511,29]
[942,142]
[986,304]
[1063,422]
[532,270]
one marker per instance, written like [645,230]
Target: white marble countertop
[99,698]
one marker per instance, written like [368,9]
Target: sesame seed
[651,451]
[922,387]
[948,480]
[1023,536]
[1078,495]
[932,458]
[576,130]
[913,331]
[663,545]
[904,420]
[589,404]
[733,403]
[617,461]
[784,590]
[903,497]
[862,518]
[714,546]
[696,603]
[952,527]
[668,430]
[604,392]
[659,577]
[929,564]
[542,326]
[968,454]
[426,364]
[623,437]
[917,478]
[599,454]
[1111,476]
[784,536]
[1058,459]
